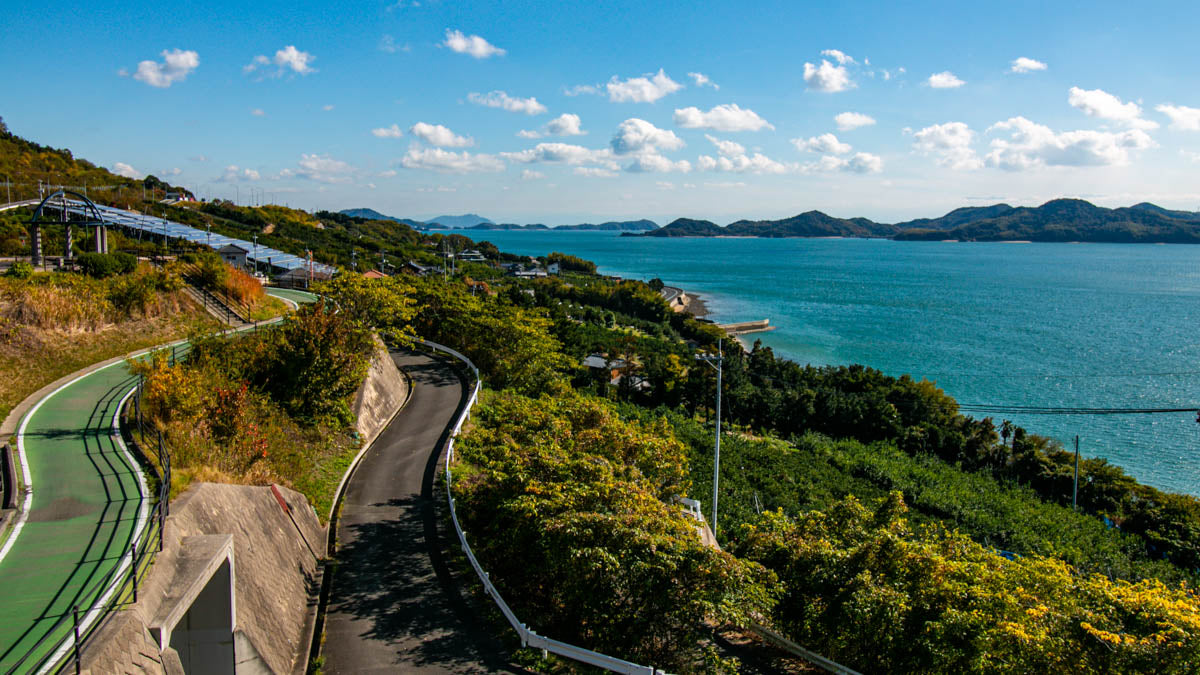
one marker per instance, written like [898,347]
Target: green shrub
[20,270]
[103,265]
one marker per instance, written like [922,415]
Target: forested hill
[1073,220]
[1055,221]
[26,164]
[622,225]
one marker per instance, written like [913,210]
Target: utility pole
[1075,491]
[719,361]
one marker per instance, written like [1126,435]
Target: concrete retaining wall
[380,396]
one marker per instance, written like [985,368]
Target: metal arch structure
[79,205]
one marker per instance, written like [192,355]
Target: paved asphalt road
[393,606]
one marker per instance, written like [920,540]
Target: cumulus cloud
[327,107]
[1032,146]
[235,174]
[646,89]
[1026,65]
[564,153]
[827,77]
[727,117]
[825,143]
[288,58]
[726,148]
[594,172]
[652,162]
[1182,117]
[950,143]
[530,174]
[388,173]
[702,80]
[436,134]
[388,132]
[841,57]
[860,162]
[636,135]
[742,163]
[582,89]
[258,112]
[500,99]
[566,124]
[323,169]
[123,169]
[175,67]
[448,161]
[1101,104]
[944,80]
[471,44]
[852,120]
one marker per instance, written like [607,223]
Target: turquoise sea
[1063,325]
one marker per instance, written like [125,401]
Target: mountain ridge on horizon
[1061,219]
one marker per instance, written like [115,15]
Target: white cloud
[664,185]
[324,169]
[1183,118]
[235,174]
[447,161]
[327,107]
[1026,65]
[1101,104]
[1194,157]
[198,158]
[388,132]
[288,58]
[500,99]
[582,89]
[860,162]
[825,143]
[944,80]
[727,117]
[387,174]
[851,120]
[841,57]
[1032,146]
[950,143]
[171,172]
[471,44]
[436,134]
[641,89]
[702,80]
[652,162]
[530,174]
[636,135]
[123,169]
[827,77]
[565,124]
[566,153]
[594,172]
[741,163]
[726,148]
[175,67]
[258,112]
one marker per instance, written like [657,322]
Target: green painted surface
[84,514]
[82,520]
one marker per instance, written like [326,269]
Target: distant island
[1058,220]
[611,226]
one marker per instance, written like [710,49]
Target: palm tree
[1006,430]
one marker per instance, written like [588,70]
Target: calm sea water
[1064,325]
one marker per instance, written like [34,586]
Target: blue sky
[566,112]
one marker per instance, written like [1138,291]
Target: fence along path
[86,518]
[529,638]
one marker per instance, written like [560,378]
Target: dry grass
[48,331]
[244,288]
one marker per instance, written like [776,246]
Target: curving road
[393,605]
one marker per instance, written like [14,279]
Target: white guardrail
[528,637]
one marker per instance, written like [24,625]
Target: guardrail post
[133,569]
[78,665]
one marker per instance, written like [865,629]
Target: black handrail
[142,553]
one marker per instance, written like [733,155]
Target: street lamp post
[717,363]
[255,254]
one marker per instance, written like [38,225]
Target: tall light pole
[255,254]
[717,362]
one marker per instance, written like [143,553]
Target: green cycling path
[87,510]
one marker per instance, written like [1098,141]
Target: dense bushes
[103,265]
[571,510]
[865,589]
[570,263]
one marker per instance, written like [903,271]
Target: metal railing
[529,638]
[119,587]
